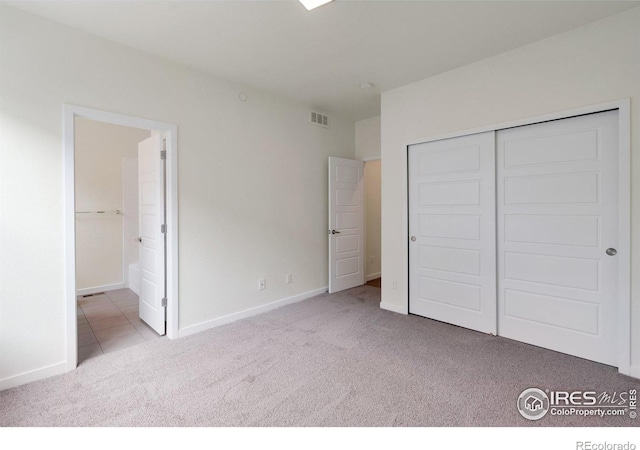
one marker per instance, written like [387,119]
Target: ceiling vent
[319,119]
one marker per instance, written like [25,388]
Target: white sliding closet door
[557,226]
[452,249]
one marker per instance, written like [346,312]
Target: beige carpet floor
[333,360]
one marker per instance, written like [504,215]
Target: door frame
[623,106]
[70,112]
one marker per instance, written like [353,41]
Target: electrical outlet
[288,278]
[262,284]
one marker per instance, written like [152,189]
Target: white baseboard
[393,308]
[33,375]
[373,276]
[634,371]
[202,326]
[93,290]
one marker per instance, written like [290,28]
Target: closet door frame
[624,208]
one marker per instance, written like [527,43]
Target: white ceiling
[319,57]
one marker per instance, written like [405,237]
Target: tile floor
[109,322]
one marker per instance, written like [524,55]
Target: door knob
[335,232]
[413,238]
[139,239]
[612,252]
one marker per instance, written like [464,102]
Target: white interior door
[346,224]
[452,252]
[152,237]
[557,216]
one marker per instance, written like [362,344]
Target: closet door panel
[452,249]
[557,216]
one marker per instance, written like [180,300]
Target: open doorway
[121,232]
[108,281]
[369,150]
[373,218]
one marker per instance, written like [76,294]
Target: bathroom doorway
[121,224]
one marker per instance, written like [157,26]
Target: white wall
[368,138]
[100,148]
[372,172]
[593,64]
[252,182]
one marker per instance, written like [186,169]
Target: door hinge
[163,154]
[164,301]
[163,228]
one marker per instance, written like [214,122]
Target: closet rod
[115,211]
